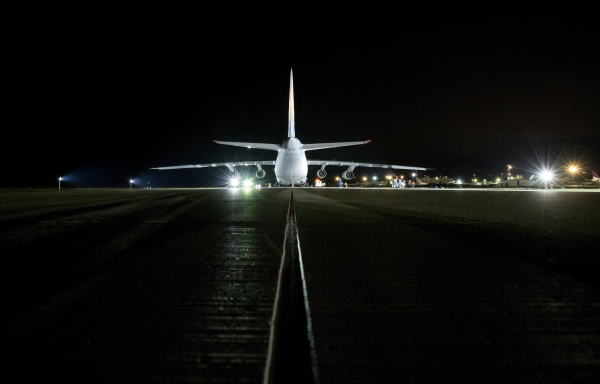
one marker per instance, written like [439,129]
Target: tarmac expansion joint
[292,354]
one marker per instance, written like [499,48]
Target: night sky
[101,93]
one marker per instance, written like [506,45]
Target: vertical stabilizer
[291,117]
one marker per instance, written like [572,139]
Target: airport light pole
[130,183]
[59,180]
[573,170]
[546,176]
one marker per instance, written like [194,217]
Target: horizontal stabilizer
[310,147]
[272,147]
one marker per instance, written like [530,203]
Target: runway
[412,286]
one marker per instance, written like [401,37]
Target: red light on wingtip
[216,141]
[368,141]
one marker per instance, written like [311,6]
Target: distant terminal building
[520,181]
[434,180]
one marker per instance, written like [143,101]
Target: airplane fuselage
[291,166]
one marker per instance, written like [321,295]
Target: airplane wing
[272,147]
[367,165]
[310,147]
[229,165]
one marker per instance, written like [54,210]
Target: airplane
[595,178]
[291,164]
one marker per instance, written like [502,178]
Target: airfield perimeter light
[235,182]
[130,183]
[374,177]
[59,180]
[573,169]
[247,183]
[365,178]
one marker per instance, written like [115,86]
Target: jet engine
[260,173]
[321,173]
[348,175]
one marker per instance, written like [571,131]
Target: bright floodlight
[235,182]
[573,169]
[374,177]
[247,183]
[546,175]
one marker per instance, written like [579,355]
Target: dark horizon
[106,95]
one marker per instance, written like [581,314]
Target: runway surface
[410,285]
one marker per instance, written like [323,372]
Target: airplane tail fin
[595,175]
[291,116]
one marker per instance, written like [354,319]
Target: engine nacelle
[260,173]
[321,173]
[348,175]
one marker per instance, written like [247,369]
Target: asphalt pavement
[402,286]
[120,286]
[451,285]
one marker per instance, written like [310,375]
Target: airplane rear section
[291,166]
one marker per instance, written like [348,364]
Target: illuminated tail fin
[291,117]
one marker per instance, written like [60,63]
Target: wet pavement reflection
[182,291]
